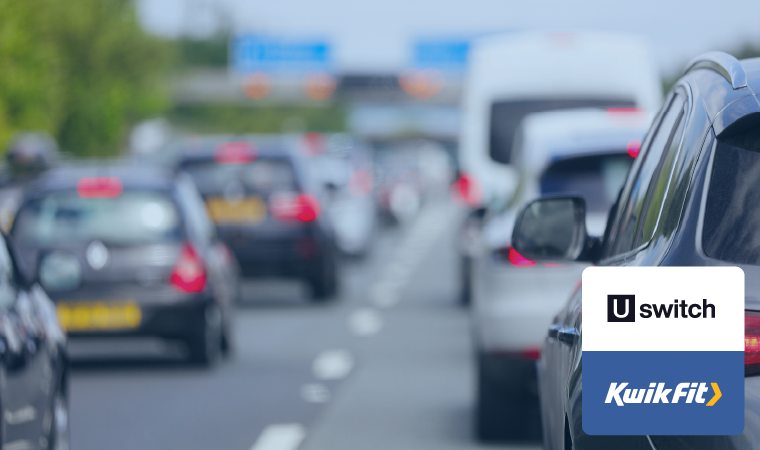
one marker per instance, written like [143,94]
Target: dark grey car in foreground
[128,252]
[691,199]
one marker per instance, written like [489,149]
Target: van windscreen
[506,116]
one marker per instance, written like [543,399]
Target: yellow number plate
[249,210]
[99,316]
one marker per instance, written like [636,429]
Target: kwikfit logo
[622,308]
[689,392]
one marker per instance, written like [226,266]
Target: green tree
[83,70]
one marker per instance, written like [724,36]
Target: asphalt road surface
[387,365]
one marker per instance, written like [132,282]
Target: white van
[512,75]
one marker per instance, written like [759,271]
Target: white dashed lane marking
[365,322]
[280,437]
[315,393]
[425,231]
[332,365]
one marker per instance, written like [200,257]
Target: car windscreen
[506,116]
[261,176]
[596,178]
[731,230]
[131,218]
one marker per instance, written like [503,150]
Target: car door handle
[554,330]
[567,335]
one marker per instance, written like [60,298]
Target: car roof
[203,147]
[719,81]
[132,176]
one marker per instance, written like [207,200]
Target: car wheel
[465,286]
[58,437]
[205,347]
[324,284]
[502,414]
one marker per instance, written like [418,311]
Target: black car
[33,363]
[691,199]
[265,208]
[128,252]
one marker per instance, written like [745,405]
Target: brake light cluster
[751,342]
[235,153]
[633,148]
[290,206]
[189,273]
[466,191]
[99,187]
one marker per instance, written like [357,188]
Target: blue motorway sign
[252,53]
[443,54]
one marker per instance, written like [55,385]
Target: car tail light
[99,187]
[751,343]
[286,206]
[360,183]
[519,260]
[531,353]
[235,153]
[633,148]
[466,191]
[514,258]
[189,274]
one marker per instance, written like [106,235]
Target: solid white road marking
[286,436]
[315,393]
[332,365]
[365,322]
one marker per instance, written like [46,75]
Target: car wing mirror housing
[554,229]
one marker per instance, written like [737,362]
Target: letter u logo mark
[615,309]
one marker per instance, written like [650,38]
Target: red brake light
[360,183]
[99,187]
[315,144]
[189,274]
[466,191]
[287,206]
[235,153]
[633,148]
[519,260]
[751,342]
[531,353]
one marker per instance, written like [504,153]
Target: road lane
[359,372]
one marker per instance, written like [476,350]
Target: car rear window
[596,178]
[133,217]
[732,216]
[262,176]
[506,116]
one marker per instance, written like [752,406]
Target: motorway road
[385,366]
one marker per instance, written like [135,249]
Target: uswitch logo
[622,308]
[689,392]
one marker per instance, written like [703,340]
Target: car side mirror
[554,229]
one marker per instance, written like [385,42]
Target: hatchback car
[265,208]
[34,362]
[691,199]
[128,252]
[587,152]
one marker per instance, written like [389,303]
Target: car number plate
[93,316]
[246,211]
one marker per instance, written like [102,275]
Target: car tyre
[58,436]
[324,285]
[206,346]
[465,280]
[501,415]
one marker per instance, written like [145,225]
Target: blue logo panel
[611,408]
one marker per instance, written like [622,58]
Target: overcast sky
[376,35]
